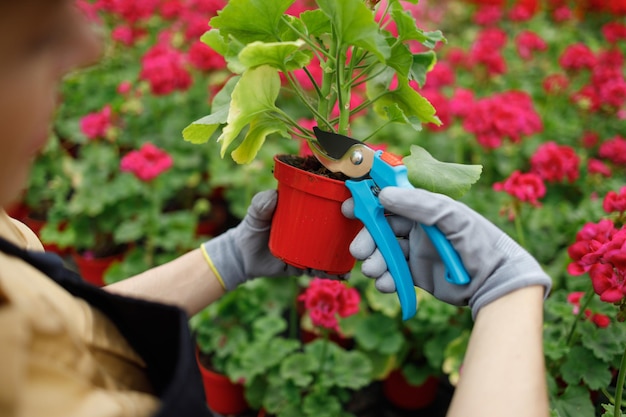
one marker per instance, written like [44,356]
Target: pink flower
[506,115]
[205,58]
[124,87]
[614,150]
[164,68]
[461,102]
[574,299]
[528,42]
[585,251]
[608,282]
[614,202]
[131,11]
[595,166]
[327,299]
[590,139]
[95,125]
[555,83]
[440,76]
[601,320]
[614,31]
[441,105]
[562,14]
[488,15]
[555,163]
[527,187]
[487,51]
[147,163]
[577,56]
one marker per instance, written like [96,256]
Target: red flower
[327,299]
[461,102]
[147,163]
[614,150]
[95,125]
[527,187]
[555,163]
[527,42]
[205,58]
[488,15]
[586,250]
[608,282]
[614,202]
[577,56]
[487,50]
[601,320]
[555,83]
[614,31]
[440,76]
[595,166]
[131,11]
[164,68]
[506,115]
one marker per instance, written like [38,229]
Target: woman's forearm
[186,282]
[503,372]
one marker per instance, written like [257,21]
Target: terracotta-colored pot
[222,395]
[308,228]
[409,397]
[93,269]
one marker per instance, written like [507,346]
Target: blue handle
[368,209]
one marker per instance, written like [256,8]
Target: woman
[71,349]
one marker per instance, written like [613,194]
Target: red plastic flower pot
[409,397]
[222,395]
[308,228]
[93,269]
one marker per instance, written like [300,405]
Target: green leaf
[423,62]
[316,22]
[379,333]
[321,404]
[285,56]
[251,20]
[574,402]
[447,178]
[412,104]
[253,97]
[401,59]
[260,128]
[299,368]
[605,344]
[388,304]
[352,369]
[201,130]
[228,48]
[354,25]
[580,364]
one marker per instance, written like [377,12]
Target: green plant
[289,377]
[354,55]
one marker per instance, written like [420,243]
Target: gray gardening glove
[242,253]
[496,264]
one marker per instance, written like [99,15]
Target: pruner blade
[341,153]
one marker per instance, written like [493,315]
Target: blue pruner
[372,170]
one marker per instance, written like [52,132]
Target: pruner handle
[368,209]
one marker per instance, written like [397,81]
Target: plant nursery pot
[93,269]
[222,395]
[308,228]
[409,397]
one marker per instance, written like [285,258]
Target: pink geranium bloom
[205,58]
[526,187]
[95,125]
[164,69]
[555,163]
[147,163]
[614,31]
[595,166]
[577,56]
[615,202]
[614,150]
[528,42]
[326,300]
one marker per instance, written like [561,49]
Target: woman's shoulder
[18,233]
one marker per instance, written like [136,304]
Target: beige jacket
[59,357]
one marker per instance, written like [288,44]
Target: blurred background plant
[533,90]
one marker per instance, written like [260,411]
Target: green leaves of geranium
[450,179]
[285,56]
[354,25]
[253,98]
[251,20]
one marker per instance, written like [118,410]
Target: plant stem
[621,376]
[325,333]
[519,229]
[583,306]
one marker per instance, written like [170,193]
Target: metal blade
[334,144]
